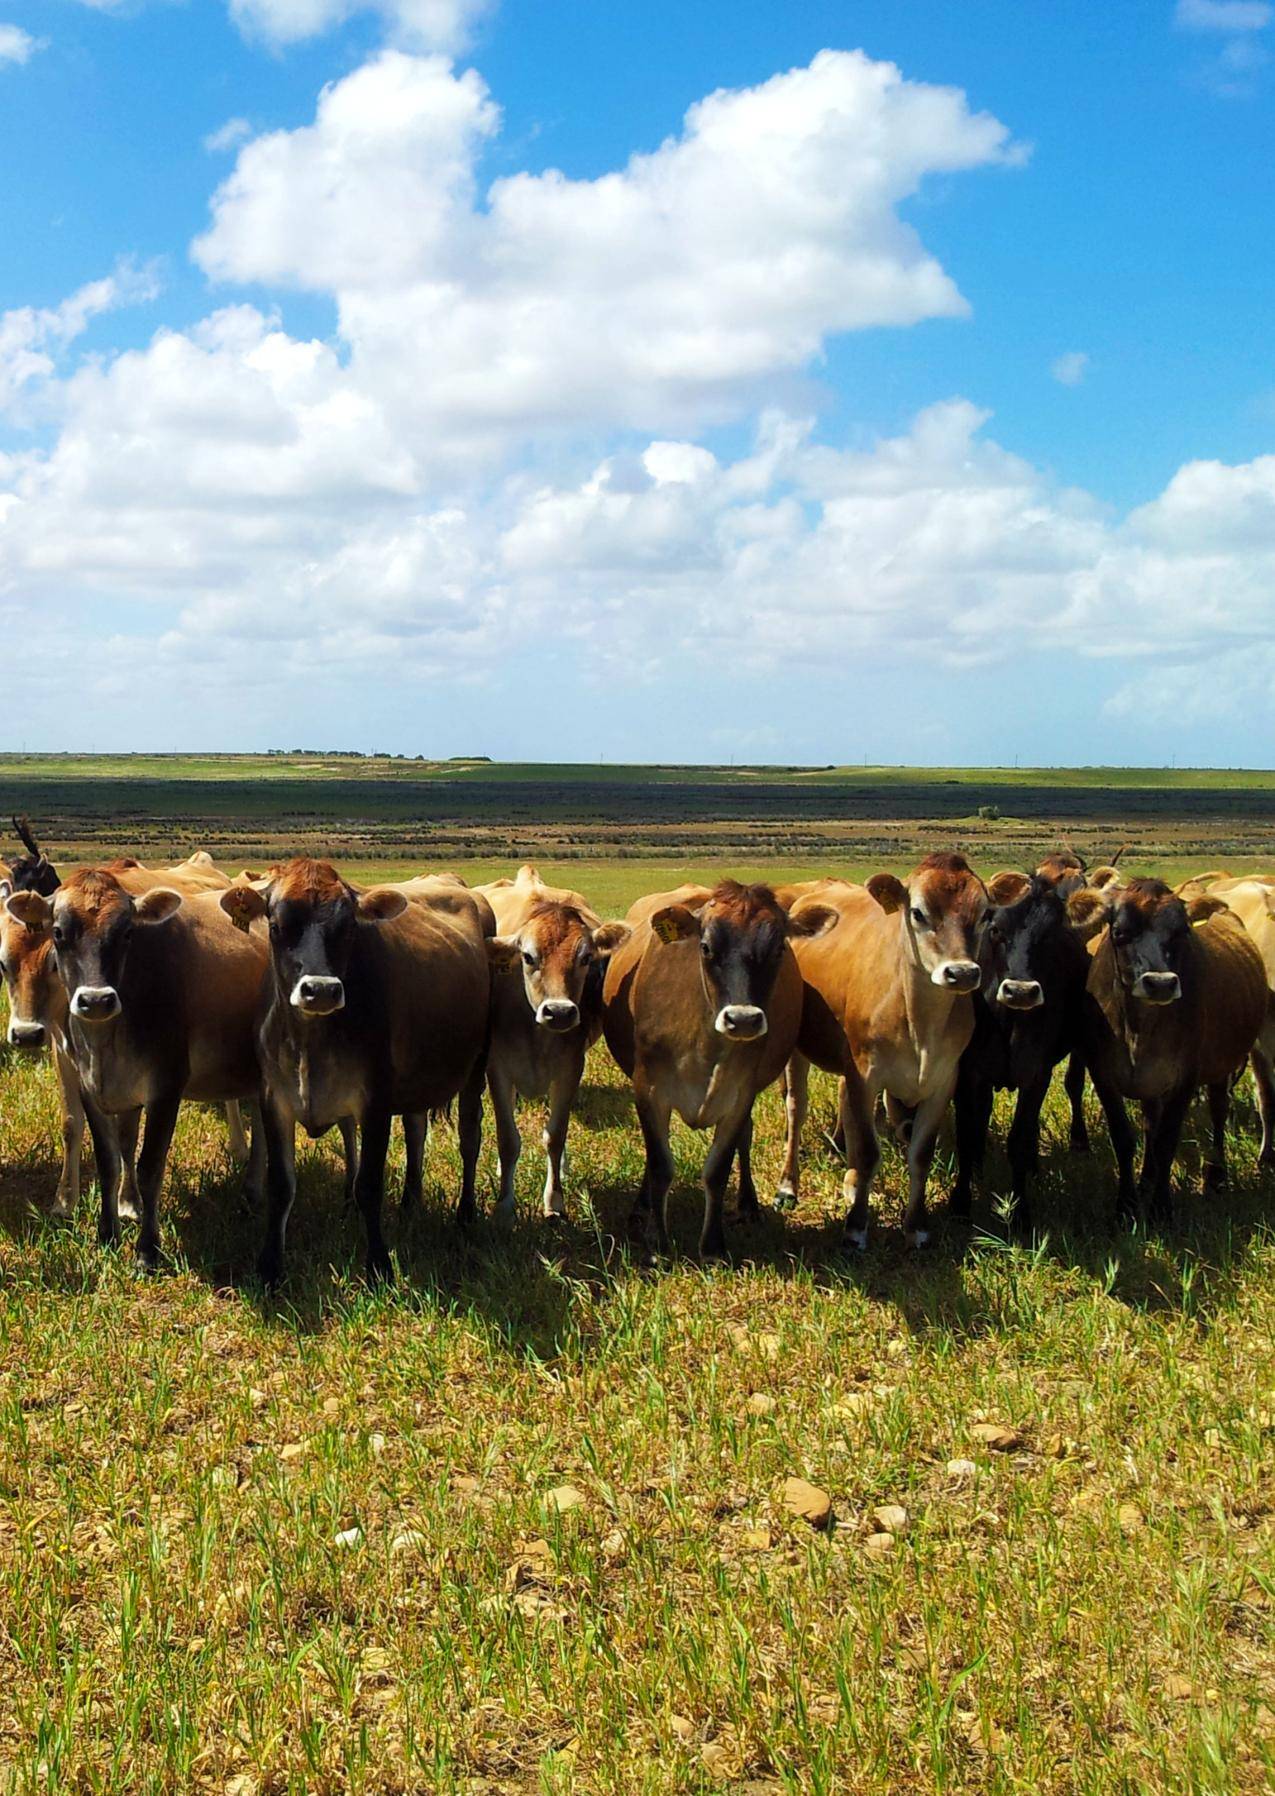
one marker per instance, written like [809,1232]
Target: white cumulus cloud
[1070,369]
[1224,15]
[429,24]
[17,45]
[32,338]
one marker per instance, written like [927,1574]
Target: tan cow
[1177,998]
[1253,902]
[162,993]
[548,962]
[889,1007]
[38,1018]
[701,1009]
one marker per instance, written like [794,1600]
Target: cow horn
[23,827]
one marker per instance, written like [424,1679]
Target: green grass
[180,1459]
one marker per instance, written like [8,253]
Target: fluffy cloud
[671,290]
[31,339]
[1224,15]
[17,45]
[420,24]
[1070,369]
[257,510]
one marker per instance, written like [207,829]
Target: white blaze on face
[95,1003]
[741,1022]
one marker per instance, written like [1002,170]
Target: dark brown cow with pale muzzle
[701,1009]
[376,1006]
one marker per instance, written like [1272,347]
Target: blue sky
[916,404]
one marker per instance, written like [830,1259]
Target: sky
[883,381]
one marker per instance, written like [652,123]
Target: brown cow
[1176,998]
[161,997]
[376,1006]
[888,1006]
[701,1009]
[548,964]
[38,1018]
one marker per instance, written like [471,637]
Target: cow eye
[529,958]
[706,949]
[919,917]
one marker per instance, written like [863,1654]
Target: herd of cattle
[324,1005]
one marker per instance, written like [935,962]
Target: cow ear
[890,893]
[6,887]
[607,937]
[813,919]
[503,952]
[1008,887]
[1201,908]
[1088,911]
[675,923]
[381,905]
[31,908]
[243,904]
[157,905]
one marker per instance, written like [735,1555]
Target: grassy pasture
[312,1545]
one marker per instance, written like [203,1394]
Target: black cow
[32,871]
[1027,1019]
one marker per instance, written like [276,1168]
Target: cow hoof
[128,1209]
[1215,1178]
[270,1271]
[107,1236]
[148,1257]
[918,1237]
[785,1198]
[60,1209]
[858,1239]
[380,1268]
[712,1247]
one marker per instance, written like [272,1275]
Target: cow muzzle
[741,1022]
[95,1003]
[1157,988]
[318,995]
[28,1036]
[558,1015]
[958,976]
[1020,994]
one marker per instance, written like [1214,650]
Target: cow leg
[1123,1143]
[653,1119]
[469,1128]
[717,1164]
[1260,1062]
[1024,1152]
[922,1140]
[254,1175]
[370,1188]
[280,1134]
[128,1128]
[748,1205]
[350,1147]
[237,1140]
[508,1139]
[863,1154]
[1219,1096]
[161,1120]
[1074,1086]
[106,1153]
[796,1103]
[1162,1146]
[973,1105]
[562,1091]
[67,1195]
[415,1129]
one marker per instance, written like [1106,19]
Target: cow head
[1021,940]
[92,919]
[314,918]
[1149,930]
[32,871]
[742,933]
[30,972]
[942,907]
[559,956]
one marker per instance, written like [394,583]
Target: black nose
[26,1035]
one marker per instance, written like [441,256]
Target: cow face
[32,871]
[1150,934]
[30,972]
[314,919]
[742,934]
[560,958]
[1021,940]
[942,907]
[92,919]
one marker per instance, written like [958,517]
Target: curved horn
[23,827]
